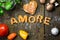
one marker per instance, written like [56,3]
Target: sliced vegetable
[23,34]
[11,36]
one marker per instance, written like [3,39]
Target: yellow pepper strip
[23,34]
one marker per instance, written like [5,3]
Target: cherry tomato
[3,30]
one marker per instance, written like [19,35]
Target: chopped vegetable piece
[11,36]
[23,34]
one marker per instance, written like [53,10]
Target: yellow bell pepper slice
[23,34]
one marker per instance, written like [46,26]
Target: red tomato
[3,30]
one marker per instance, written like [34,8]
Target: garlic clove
[56,4]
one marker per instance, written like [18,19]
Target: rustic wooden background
[36,31]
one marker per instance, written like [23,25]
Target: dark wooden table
[36,31]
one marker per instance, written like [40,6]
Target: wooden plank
[36,30]
[55,22]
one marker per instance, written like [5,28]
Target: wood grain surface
[36,31]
